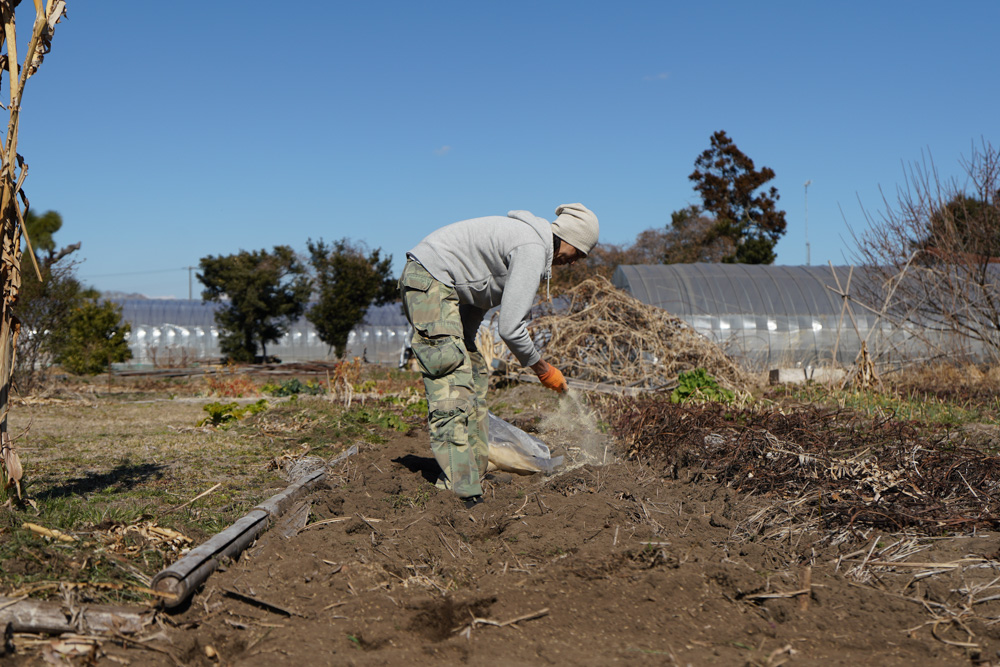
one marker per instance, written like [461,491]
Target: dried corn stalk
[13,171]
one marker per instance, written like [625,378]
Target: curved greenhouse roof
[773,315]
[687,290]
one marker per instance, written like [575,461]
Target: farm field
[800,527]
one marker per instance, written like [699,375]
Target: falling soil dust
[574,427]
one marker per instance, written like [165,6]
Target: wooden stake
[806,582]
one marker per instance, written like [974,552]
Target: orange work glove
[553,379]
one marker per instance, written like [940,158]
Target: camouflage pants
[455,379]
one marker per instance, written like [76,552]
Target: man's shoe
[472,501]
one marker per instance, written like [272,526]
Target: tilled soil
[606,563]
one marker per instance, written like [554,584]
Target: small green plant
[409,402]
[700,387]
[293,387]
[386,420]
[366,386]
[220,414]
[419,408]
[92,337]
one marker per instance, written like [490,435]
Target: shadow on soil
[124,476]
[425,465]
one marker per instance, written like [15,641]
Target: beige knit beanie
[577,226]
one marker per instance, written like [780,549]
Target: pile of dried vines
[837,467]
[606,335]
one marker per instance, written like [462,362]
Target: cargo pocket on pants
[438,356]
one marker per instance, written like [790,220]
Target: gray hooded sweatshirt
[493,261]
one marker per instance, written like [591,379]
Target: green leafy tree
[92,336]
[727,182]
[263,292]
[41,229]
[348,280]
[43,308]
[964,225]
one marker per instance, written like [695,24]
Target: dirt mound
[637,562]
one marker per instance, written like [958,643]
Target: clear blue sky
[165,132]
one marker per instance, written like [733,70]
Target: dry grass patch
[121,480]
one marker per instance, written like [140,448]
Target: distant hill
[120,296]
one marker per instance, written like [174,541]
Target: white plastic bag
[513,450]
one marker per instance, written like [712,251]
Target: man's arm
[526,264]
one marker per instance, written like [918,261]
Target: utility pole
[190,282]
[807,220]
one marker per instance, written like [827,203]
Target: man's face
[567,255]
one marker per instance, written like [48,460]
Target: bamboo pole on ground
[13,171]
[179,581]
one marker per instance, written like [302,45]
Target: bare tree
[691,237]
[936,250]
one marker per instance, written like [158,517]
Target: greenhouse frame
[765,316]
[785,316]
[178,332]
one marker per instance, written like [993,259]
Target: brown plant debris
[845,469]
[132,539]
[606,335]
[48,532]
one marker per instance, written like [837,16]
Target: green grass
[326,427]
[101,464]
[912,406]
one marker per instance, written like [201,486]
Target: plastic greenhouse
[173,332]
[768,316]
[776,316]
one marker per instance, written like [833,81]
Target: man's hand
[550,376]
